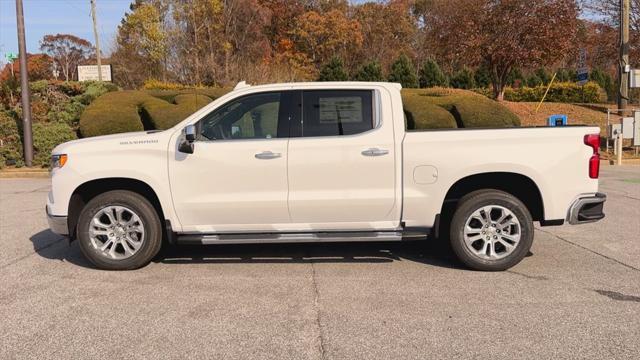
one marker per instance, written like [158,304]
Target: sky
[59,16]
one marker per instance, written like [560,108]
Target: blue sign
[557,120]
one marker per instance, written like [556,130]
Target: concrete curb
[624,162]
[24,173]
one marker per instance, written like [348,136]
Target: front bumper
[587,209]
[57,224]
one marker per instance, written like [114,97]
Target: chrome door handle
[265,155]
[375,152]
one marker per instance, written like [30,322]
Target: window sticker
[340,109]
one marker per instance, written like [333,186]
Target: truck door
[342,162]
[236,179]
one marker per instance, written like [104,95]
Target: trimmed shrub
[403,72]
[465,109]
[126,111]
[114,112]
[559,92]
[46,136]
[163,115]
[421,115]
[11,147]
[333,71]
[370,72]
[431,75]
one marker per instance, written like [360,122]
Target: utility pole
[95,33]
[24,86]
[623,75]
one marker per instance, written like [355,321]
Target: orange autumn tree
[502,35]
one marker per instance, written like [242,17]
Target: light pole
[24,87]
[623,62]
[95,33]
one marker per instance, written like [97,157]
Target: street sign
[90,72]
[634,78]
[583,75]
[636,129]
[583,70]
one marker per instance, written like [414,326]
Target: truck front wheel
[491,230]
[119,230]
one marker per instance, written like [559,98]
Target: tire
[139,231]
[501,251]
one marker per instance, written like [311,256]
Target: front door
[236,178]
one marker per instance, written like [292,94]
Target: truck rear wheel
[491,230]
[119,230]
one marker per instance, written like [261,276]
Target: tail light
[593,140]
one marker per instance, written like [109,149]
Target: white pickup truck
[316,162]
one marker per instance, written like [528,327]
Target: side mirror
[186,146]
[190,133]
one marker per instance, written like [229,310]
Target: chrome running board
[314,237]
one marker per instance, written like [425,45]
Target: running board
[257,238]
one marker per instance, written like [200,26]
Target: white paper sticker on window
[340,109]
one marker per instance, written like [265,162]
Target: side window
[336,112]
[249,117]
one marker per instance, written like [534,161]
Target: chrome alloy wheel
[116,232]
[492,232]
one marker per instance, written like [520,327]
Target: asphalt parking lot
[576,296]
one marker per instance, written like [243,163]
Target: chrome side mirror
[186,146]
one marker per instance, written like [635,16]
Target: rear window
[336,112]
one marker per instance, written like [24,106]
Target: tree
[371,71]
[502,34]
[67,52]
[322,36]
[515,78]
[463,79]
[605,81]
[388,30]
[403,72]
[543,75]
[482,77]
[333,71]
[431,75]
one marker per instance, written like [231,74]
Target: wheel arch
[518,185]
[90,189]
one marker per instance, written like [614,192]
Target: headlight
[58,161]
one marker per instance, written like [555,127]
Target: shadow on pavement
[426,252]
[55,247]
[435,253]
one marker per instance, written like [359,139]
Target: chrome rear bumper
[587,209]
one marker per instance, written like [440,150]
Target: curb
[635,162]
[35,173]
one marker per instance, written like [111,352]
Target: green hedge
[565,92]
[126,111]
[434,108]
[462,109]
[46,136]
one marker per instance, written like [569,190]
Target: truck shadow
[434,253]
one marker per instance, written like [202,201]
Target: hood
[140,138]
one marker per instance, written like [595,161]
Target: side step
[312,237]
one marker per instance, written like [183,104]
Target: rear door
[341,163]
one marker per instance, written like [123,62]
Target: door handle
[265,155]
[375,152]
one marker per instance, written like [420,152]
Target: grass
[577,114]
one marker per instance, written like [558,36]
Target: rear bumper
[587,209]
[57,224]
